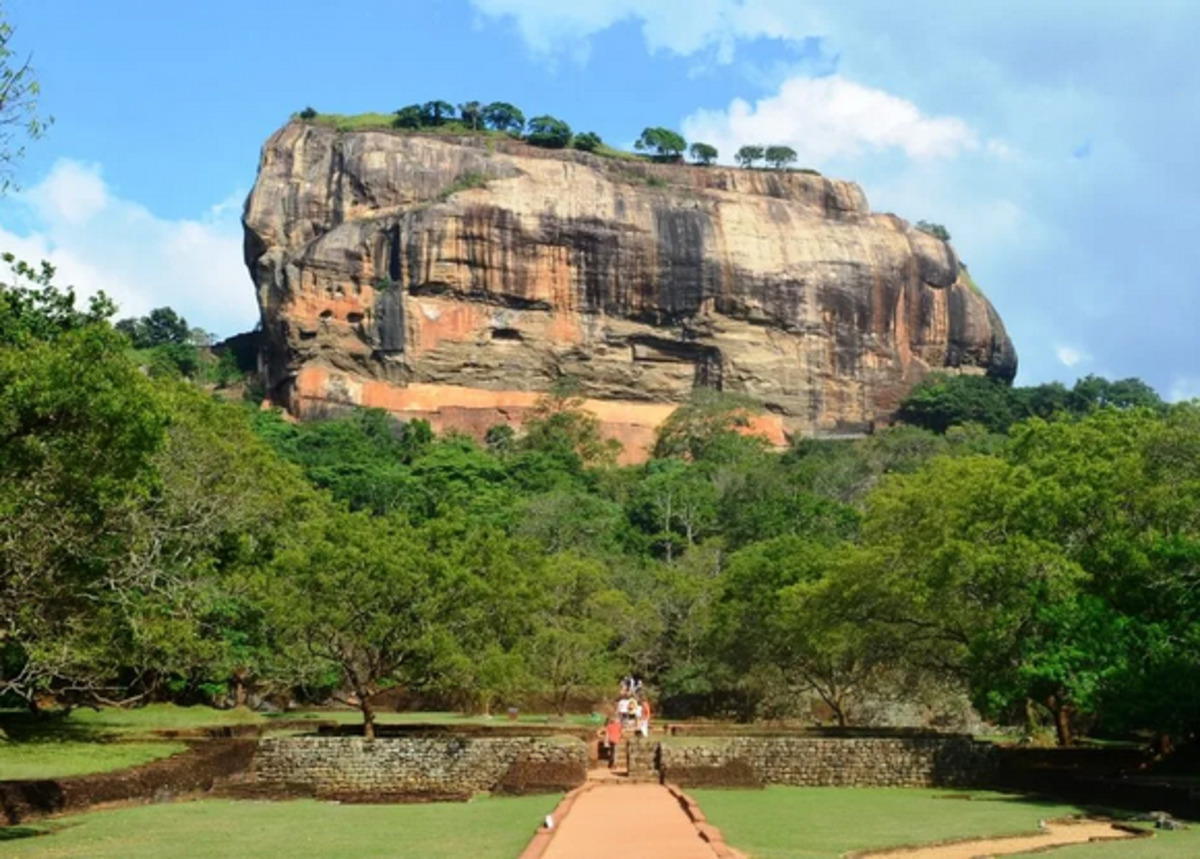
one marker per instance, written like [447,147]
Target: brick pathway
[632,821]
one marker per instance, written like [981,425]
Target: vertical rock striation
[455,279]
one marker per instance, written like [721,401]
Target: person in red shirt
[612,736]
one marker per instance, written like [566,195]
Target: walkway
[632,821]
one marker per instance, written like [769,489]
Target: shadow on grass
[51,727]
[1043,800]
[15,833]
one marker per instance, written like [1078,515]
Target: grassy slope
[50,759]
[807,823]
[88,741]
[216,828]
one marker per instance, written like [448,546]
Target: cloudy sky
[1056,139]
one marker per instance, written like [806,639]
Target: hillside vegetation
[1033,550]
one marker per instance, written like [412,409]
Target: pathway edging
[709,833]
[540,843]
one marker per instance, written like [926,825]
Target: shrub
[308,113]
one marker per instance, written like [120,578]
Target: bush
[308,113]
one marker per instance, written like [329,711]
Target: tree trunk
[239,690]
[1062,722]
[364,704]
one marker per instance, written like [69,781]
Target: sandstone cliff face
[456,279]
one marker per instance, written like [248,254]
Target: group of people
[631,713]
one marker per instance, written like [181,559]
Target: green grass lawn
[807,823]
[1164,845]
[479,829]
[71,757]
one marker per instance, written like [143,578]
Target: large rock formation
[456,279]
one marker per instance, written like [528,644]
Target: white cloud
[73,193]
[99,241]
[1070,356]
[831,117]
[1184,388]
[680,26]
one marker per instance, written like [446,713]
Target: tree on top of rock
[703,153]
[748,155]
[502,116]
[780,157]
[436,112]
[548,132]
[589,141]
[471,113]
[409,117]
[666,144]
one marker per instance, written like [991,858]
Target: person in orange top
[612,736]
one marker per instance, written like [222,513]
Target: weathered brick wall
[829,762]
[420,766]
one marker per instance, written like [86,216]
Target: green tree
[667,145]
[940,402]
[308,113]
[79,426]
[359,596]
[411,117]
[502,116]
[703,153]
[33,308]
[1093,392]
[435,113]
[471,113]
[710,425]
[589,141]
[19,117]
[748,156]
[560,425]
[569,650]
[548,132]
[780,157]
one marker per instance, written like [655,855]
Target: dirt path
[632,821]
[1056,834]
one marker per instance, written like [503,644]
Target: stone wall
[829,762]
[420,767]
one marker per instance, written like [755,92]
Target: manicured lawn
[1164,845]
[807,823]
[479,829]
[50,759]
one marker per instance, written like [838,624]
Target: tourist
[644,717]
[623,708]
[612,738]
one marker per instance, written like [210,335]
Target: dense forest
[1033,551]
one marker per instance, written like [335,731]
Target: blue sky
[1056,140]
